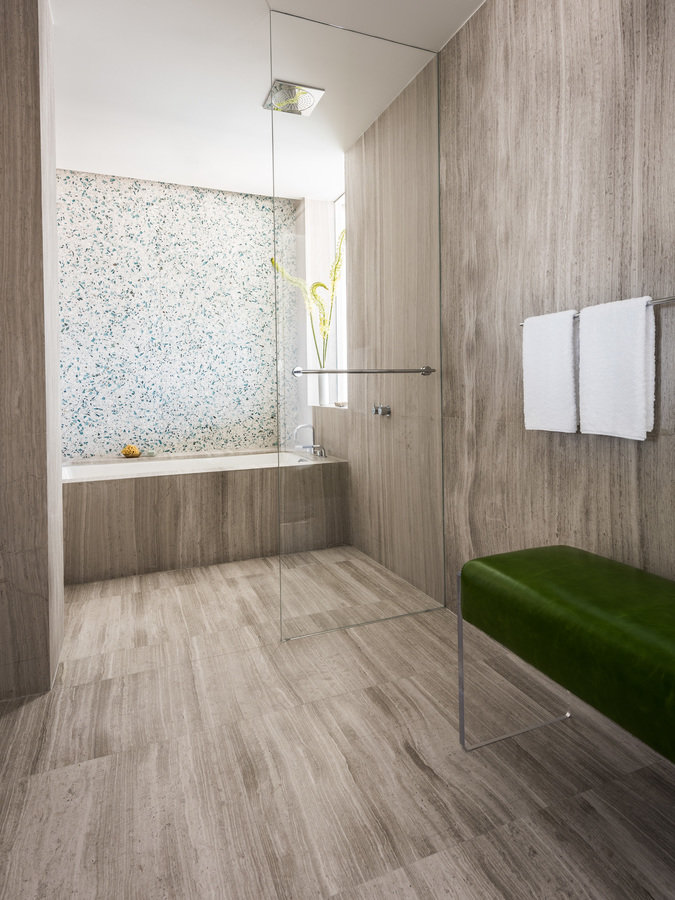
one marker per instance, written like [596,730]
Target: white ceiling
[361,76]
[172,90]
[422,23]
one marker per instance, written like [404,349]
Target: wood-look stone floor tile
[116,663]
[240,686]
[322,591]
[75,724]
[155,821]
[186,753]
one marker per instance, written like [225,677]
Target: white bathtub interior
[151,467]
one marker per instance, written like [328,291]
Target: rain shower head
[297,99]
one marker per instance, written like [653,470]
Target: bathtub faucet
[314,448]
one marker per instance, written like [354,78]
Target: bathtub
[153,466]
[134,516]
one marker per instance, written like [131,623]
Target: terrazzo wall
[167,316]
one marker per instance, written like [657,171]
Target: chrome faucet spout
[298,429]
[314,448]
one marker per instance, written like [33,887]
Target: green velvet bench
[601,629]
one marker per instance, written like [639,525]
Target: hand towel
[549,392]
[617,368]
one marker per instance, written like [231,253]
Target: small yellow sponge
[131,450]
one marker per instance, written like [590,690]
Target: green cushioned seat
[602,629]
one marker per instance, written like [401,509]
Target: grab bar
[423,370]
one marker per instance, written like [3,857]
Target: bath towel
[549,390]
[617,368]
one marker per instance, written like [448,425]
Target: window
[341,309]
[323,223]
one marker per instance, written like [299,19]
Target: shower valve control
[379,410]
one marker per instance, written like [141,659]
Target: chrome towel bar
[423,370]
[651,303]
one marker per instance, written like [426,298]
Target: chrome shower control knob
[379,410]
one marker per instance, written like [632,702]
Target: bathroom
[259,609]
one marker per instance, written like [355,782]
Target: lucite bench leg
[460,671]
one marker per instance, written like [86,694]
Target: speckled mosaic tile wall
[167,312]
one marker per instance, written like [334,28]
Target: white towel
[549,392]
[617,368]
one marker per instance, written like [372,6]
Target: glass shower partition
[355,144]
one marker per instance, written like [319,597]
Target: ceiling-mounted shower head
[297,99]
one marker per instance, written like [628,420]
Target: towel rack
[423,370]
[650,303]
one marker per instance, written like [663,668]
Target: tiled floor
[185,753]
[342,586]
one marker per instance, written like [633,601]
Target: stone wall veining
[395,476]
[31,539]
[557,161]
[558,191]
[167,316]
